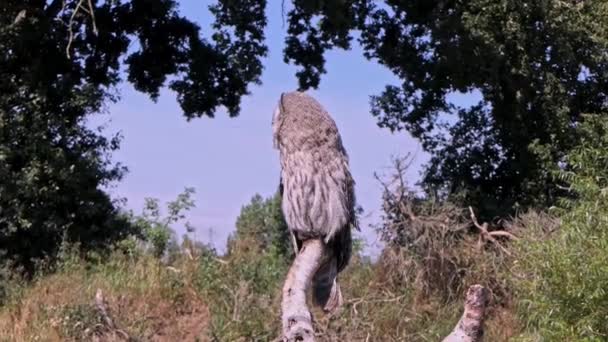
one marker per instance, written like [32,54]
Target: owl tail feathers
[329,298]
[326,289]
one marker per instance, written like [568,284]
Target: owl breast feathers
[318,190]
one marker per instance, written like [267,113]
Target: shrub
[563,270]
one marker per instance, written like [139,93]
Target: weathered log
[296,317]
[470,326]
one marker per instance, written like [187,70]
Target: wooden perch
[296,317]
[470,326]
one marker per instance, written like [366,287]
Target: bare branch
[489,236]
[296,318]
[92,14]
[470,326]
[71,29]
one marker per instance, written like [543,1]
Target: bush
[155,230]
[435,247]
[261,223]
[563,270]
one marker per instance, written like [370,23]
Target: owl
[317,189]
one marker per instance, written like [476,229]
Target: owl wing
[297,243]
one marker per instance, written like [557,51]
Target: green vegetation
[565,270]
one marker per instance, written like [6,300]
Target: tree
[536,65]
[261,223]
[61,62]
[157,230]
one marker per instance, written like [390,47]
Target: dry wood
[470,326]
[102,308]
[296,317]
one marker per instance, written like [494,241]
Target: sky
[228,160]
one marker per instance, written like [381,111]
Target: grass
[233,298]
[148,301]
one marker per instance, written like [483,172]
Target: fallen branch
[296,317]
[470,326]
[490,236]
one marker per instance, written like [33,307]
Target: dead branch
[102,308]
[470,325]
[19,18]
[489,236]
[296,317]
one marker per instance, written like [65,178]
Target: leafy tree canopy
[261,227]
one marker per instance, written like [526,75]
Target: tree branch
[296,318]
[486,235]
[470,326]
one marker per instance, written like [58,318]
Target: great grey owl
[317,188]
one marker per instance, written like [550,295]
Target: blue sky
[229,160]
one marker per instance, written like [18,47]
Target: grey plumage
[317,187]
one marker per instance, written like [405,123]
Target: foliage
[262,222]
[156,230]
[147,301]
[563,269]
[412,292]
[61,63]
[244,289]
[536,66]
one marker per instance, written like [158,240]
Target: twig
[92,14]
[221,261]
[483,228]
[101,305]
[357,301]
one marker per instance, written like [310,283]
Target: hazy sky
[229,160]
